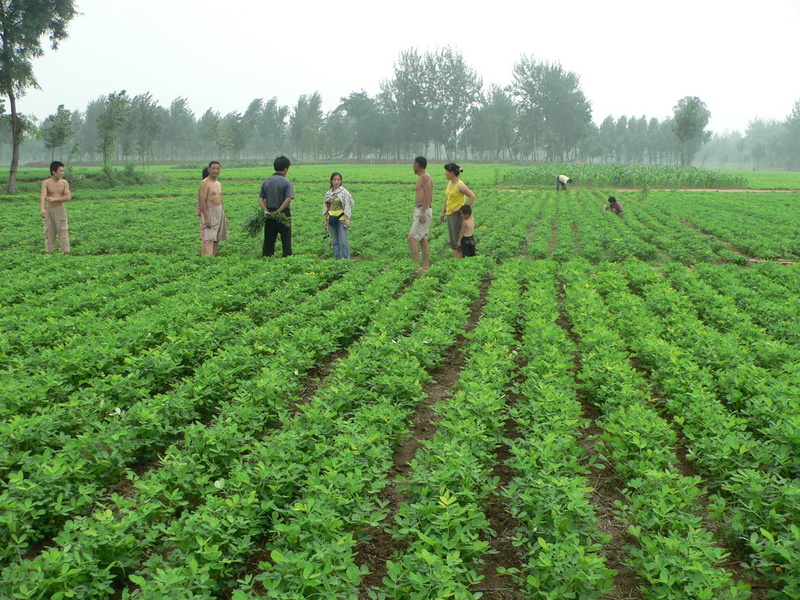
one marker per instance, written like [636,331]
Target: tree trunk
[16,140]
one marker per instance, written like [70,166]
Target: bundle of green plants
[255,223]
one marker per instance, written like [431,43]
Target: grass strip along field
[622,423]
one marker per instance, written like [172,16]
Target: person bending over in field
[55,192]
[423,215]
[562,181]
[613,205]
[213,222]
[456,195]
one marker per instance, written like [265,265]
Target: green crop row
[149,355]
[604,235]
[103,364]
[169,490]
[341,440]
[763,226]
[673,237]
[326,535]
[80,471]
[759,506]
[753,375]
[662,505]
[441,524]
[549,493]
[767,293]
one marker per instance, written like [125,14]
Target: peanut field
[595,407]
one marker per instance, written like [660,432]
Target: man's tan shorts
[419,231]
[217,230]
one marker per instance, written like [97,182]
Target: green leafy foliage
[181,427]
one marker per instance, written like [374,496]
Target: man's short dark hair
[421,161]
[281,163]
[213,162]
[55,165]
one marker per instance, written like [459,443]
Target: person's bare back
[467,226]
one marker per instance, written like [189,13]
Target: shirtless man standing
[55,191]
[423,215]
[213,223]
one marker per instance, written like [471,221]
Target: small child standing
[465,238]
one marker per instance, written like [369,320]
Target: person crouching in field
[562,181]
[55,192]
[213,222]
[613,205]
[466,240]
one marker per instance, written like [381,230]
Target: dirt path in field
[378,546]
[736,190]
[631,190]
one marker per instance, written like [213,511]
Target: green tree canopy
[271,128]
[146,122]
[491,130]
[553,110]
[57,129]
[690,117]
[403,99]
[368,124]
[180,130]
[306,124]
[113,116]
[23,24]
[793,136]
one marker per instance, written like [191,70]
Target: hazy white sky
[633,57]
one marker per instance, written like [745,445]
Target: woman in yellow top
[456,195]
[337,208]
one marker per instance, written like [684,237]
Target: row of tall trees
[639,140]
[118,127]
[532,119]
[434,104]
[765,144]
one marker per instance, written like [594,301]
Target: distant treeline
[434,105]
